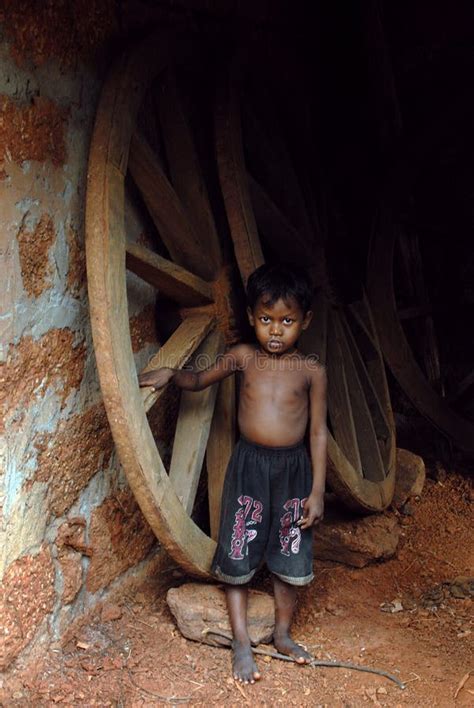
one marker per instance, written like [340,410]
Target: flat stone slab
[357,542]
[410,477]
[199,609]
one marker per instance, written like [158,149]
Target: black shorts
[263,496]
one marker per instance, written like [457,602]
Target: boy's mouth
[275,344]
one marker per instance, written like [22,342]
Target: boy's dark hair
[280,281]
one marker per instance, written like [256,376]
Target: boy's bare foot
[243,665]
[285,645]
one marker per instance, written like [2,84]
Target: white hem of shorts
[233,579]
[294,581]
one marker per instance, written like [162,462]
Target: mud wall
[69,526]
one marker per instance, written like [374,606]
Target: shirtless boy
[273,493]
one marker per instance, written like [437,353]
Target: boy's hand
[158,378]
[313,511]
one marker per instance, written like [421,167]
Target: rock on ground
[198,607]
[357,542]
[410,477]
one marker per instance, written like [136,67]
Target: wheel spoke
[234,184]
[165,208]
[186,174]
[339,399]
[275,227]
[369,347]
[219,448]
[170,279]
[268,160]
[363,332]
[192,431]
[369,451]
[381,424]
[177,350]
[369,342]
[314,339]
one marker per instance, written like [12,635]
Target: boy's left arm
[314,505]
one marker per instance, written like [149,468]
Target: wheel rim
[193,278]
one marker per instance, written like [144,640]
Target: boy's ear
[251,317]
[307,319]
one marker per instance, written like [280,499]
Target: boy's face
[278,326]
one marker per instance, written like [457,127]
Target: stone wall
[69,526]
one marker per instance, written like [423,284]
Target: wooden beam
[169,278]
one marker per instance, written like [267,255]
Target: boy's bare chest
[274,383]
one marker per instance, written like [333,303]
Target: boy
[273,493]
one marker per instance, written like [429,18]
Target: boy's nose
[276,330]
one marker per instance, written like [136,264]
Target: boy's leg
[244,666]
[285,602]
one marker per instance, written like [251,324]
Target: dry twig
[461,684]
[317,662]
[165,699]
[237,685]
[137,619]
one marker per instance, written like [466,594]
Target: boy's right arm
[224,366]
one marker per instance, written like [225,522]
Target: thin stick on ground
[166,699]
[461,684]
[237,685]
[315,662]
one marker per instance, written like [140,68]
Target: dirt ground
[140,659]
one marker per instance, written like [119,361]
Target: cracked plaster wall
[69,526]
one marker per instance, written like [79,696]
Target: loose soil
[141,660]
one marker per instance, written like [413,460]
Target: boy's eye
[264,319]
[287,320]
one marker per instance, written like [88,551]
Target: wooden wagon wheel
[450,128]
[192,276]
[394,343]
[265,196]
